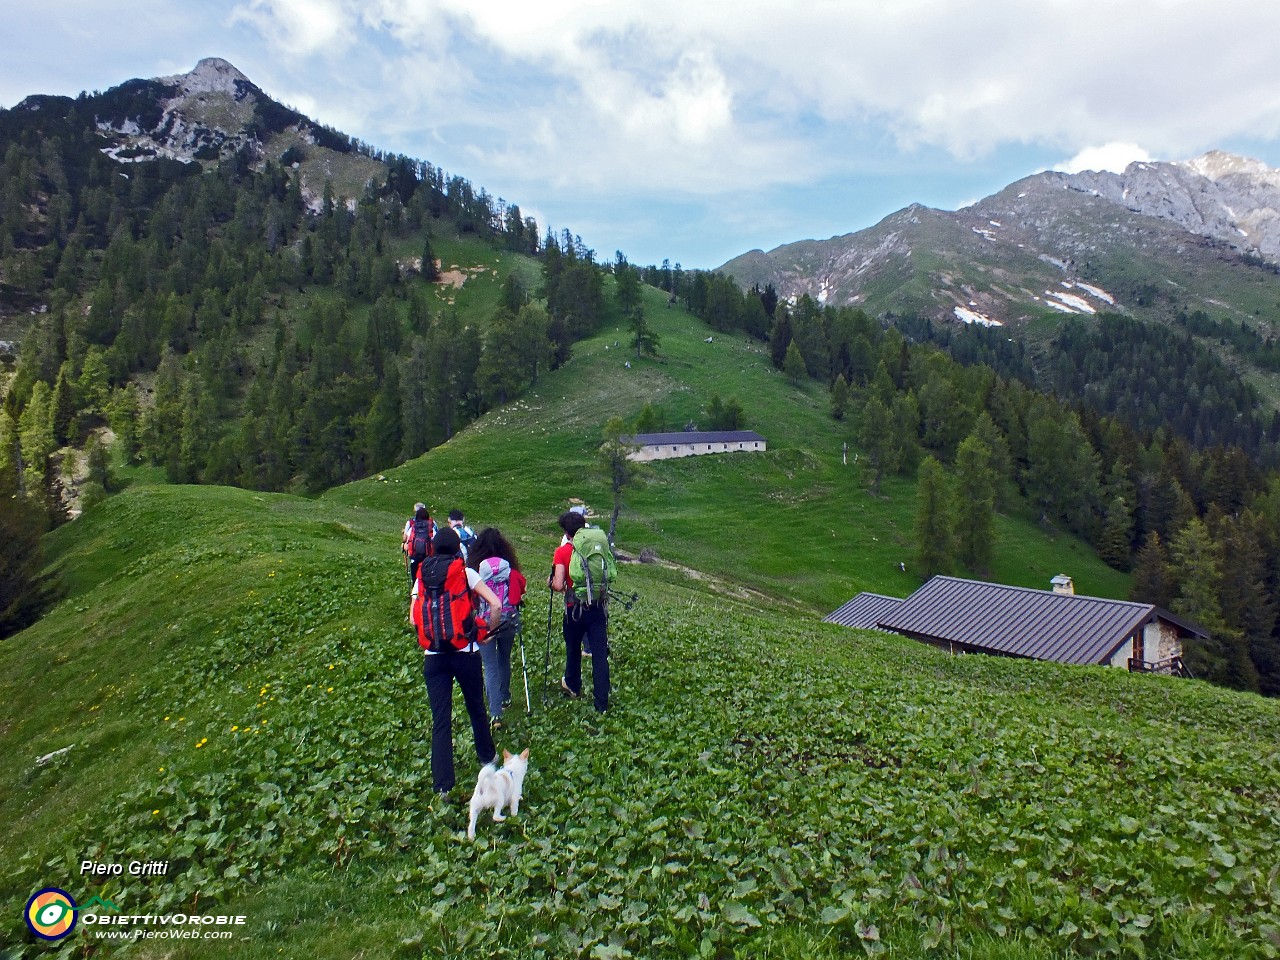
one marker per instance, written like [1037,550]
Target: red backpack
[445,609]
[420,536]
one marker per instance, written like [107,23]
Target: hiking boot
[496,723]
[564,685]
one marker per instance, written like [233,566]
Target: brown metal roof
[863,611]
[1018,621]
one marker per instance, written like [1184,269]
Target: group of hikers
[465,597]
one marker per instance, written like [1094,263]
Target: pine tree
[839,397]
[1151,578]
[499,374]
[793,366]
[1196,567]
[626,281]
[531,348]
[98,464]
[382,428]
[35,430]
[934,543]
[876,438]
[123,418]
[643,338]
[413,400]
[11,453]
[975,506]
[1116,545]
[1000,460]
[650,420]
[93,386]
[64,406]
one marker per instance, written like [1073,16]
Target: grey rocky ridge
[1153,240]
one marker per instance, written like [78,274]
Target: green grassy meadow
[242,699]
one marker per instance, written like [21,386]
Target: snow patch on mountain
[974,318]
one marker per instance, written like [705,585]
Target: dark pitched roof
[696,436]
[1021,622]
[863,611]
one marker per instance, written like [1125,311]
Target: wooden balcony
[1172,666]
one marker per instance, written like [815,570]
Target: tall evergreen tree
[650,420]
[839,398]
[1116,544]
[64,406]
[1151,577]
[975,506]
[879,443]
[383,433]
[793,366]
[627,288]
[35,430]
[934,539]
[643,337]
[1196,568]
[413,400]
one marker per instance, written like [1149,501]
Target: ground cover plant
[243,700]
[766,785]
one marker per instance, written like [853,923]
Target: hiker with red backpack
[419,531]
[450,629]
[493,557]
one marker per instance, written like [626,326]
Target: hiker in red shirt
[583,623]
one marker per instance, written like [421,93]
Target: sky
[695,131]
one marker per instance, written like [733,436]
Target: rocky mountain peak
[211,75]
[1217,164]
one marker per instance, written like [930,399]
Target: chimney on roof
[1064,585]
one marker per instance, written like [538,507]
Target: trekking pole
[546,657]
[528,707]
[622,598]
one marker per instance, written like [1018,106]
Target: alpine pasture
[242,699]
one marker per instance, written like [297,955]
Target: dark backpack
[445,609]
[420,539]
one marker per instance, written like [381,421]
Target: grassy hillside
[242,699]
[795,523]
[245,703]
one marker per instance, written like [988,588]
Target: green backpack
[592,567]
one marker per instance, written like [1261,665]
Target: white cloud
[299,28]
[1112,157]
[669,89]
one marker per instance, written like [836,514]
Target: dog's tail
[487,772]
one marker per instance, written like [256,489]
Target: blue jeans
[440,670]
[496,655]
[590,625]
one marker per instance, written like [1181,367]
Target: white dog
[499,787]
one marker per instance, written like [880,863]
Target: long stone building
[694,443]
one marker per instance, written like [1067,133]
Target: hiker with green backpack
[582,570]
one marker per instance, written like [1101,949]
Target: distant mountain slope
[1157,239]
[207,115]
